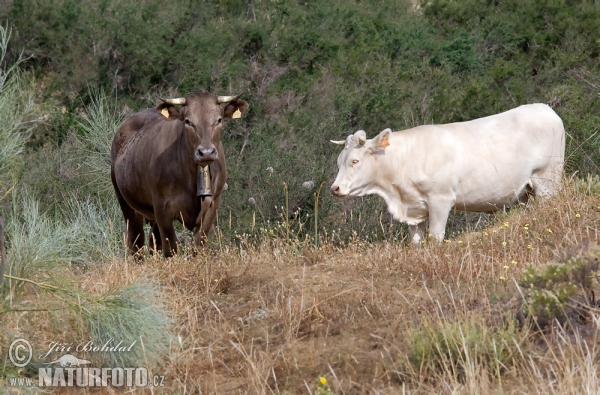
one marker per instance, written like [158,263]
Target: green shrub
[444,346]
[18,112]
[560,291]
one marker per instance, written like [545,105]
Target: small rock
[308,184]
[252,201]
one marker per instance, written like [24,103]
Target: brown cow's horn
[338,142]
[177,101]
[228,99]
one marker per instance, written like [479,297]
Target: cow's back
[483,163]
[131,127]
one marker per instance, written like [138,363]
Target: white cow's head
[357,163]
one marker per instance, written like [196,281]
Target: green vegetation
[561,291]
[460,346]
[295,284]
[312,71]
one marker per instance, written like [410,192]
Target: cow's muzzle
[205,155]
[335,190]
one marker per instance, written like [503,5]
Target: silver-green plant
[98,125]
[136,316]
[87,234]
[19,114]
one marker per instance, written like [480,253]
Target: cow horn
[338,142]
[177,101]
[227,99]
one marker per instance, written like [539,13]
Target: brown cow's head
[201,115]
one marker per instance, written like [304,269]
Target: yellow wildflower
[514,262]
[504,244]
[549,230]
[460,242]
[506,224]
[505,267]
[529,246]
[502,278]
[323,380]
[577,215]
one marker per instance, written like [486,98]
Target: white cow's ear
[382,140]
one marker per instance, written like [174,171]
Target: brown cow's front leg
[167,233]
[208,213]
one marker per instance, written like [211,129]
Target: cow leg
[208,213]
[438,217]
[167,233]
[154,240]
[417,232]
[134,223]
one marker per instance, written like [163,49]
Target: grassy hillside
[508,309]
[506,305]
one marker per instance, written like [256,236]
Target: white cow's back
[484,163]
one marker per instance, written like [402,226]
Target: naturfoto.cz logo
[70,371]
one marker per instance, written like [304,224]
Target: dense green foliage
[312,71]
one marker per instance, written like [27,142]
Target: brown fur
[154,168]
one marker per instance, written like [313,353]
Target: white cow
[482,165]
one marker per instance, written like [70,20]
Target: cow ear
[235,109]
[382,140]
[168,111]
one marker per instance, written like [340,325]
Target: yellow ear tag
[237,114]
[165,112]
[385,143]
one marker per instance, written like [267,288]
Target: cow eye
[355,161]
[187,122]
[220,120]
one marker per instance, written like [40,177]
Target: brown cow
[157,158]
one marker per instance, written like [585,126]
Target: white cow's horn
[228,99]
[338,142]
[177,101]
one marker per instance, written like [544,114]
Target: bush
[460,347]
[561,291]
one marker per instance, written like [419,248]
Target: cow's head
[201,115]
[357,167]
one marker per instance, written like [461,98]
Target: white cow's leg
[438,217]
[417,232]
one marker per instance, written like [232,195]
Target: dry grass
[374,318]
